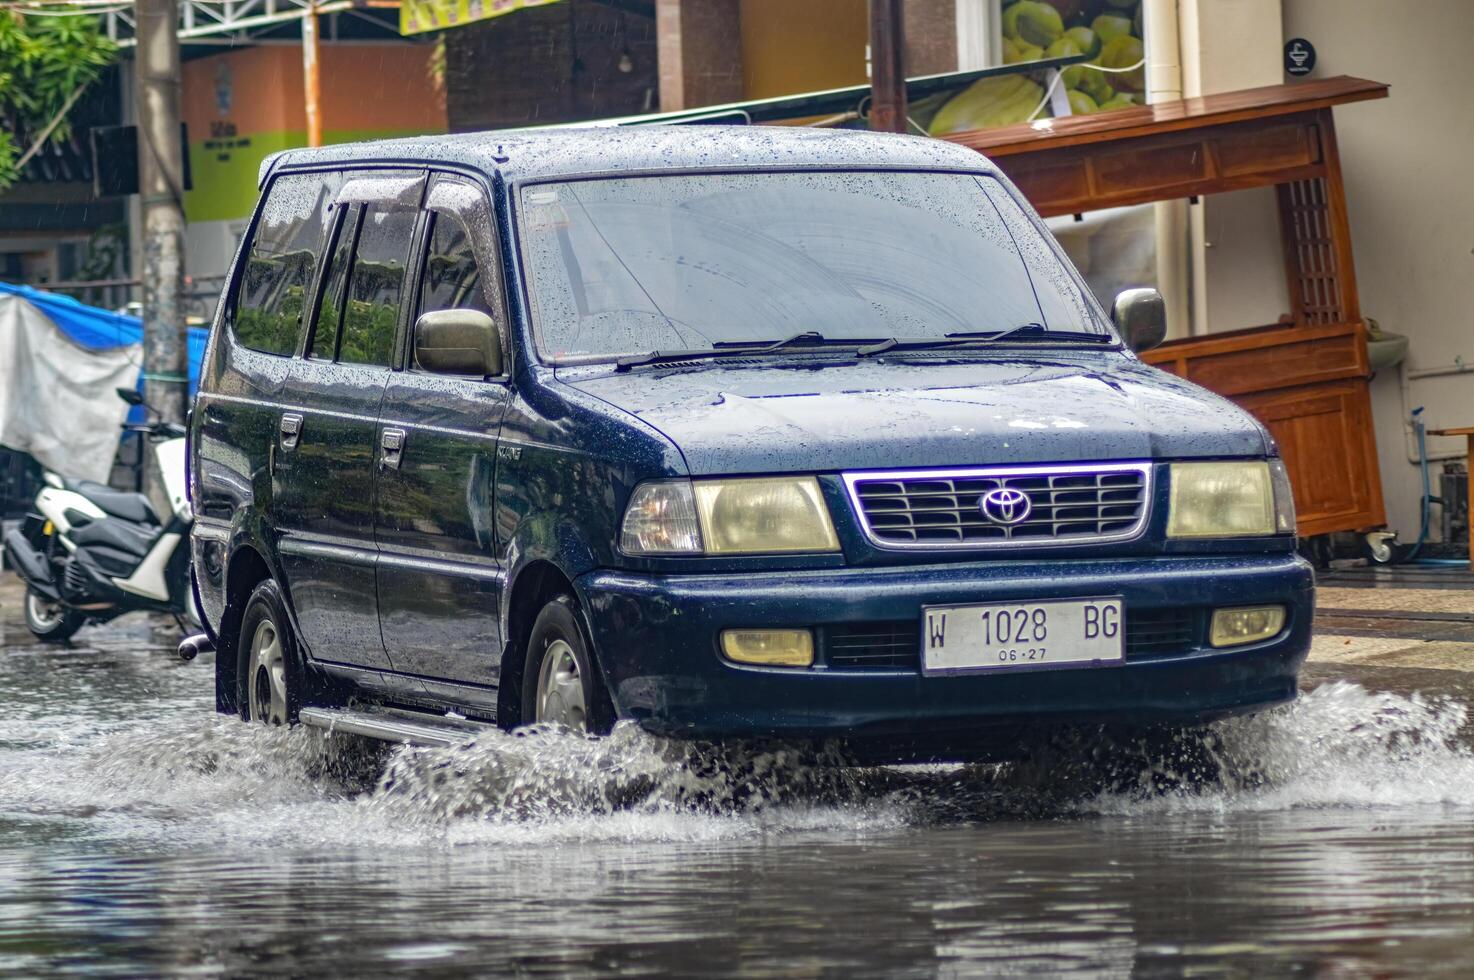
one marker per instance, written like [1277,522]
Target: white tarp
[57,399]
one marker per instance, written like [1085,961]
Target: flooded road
[140,834]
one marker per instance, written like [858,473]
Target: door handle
[392,442]
[291,430]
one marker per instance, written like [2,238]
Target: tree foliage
[43,60]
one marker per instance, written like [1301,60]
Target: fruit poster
[1109,31]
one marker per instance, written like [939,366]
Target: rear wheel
[50,621]
[562,685]
[271,667]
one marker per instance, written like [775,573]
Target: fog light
[1248,624]
[769,648]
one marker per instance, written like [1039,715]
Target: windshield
[695,261]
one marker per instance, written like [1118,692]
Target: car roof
[585,150]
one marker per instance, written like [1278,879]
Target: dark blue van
[725,431]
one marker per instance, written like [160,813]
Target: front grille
[895,644]
[944,508]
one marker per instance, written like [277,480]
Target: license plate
[1022,635]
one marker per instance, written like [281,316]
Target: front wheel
[50,621]
[561,682]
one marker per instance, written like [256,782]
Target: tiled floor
[1409,616]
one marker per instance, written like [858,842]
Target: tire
[271,674]
[561,683]
[51,622]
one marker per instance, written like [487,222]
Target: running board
[388,725]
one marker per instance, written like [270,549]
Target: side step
[391,725]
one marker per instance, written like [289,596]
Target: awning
[827,102]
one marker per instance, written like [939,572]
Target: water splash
[191,780]
[539,773]
[1338,746]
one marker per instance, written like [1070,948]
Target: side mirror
[1140,316]
[458,342]
[130,395]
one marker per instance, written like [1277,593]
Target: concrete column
[699,44]
[161,190]
[1164,84]
[1237,267]
[977,35]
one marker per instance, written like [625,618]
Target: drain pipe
[1164,84]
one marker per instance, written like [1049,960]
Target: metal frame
[852,481]
[228,21]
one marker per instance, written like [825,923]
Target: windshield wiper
[720,348]
[805,338]
[981,339]
[996,335]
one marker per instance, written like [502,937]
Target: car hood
[799,417]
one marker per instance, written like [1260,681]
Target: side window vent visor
[385,191]
[455,197]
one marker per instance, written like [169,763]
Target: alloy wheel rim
[268,675]
[44,614]
[560,697]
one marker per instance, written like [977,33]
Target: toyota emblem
[1005,505]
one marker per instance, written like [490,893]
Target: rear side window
[376,285]
[285,250]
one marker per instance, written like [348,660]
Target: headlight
[1223,500]
[767,515]
[763,516]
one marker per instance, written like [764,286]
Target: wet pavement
[140,834]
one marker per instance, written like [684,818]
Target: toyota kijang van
[728,432]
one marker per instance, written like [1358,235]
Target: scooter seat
[116,503]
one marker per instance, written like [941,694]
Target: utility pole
[887,67]
[312,76]
[161,195]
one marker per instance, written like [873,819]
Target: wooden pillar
[1316,233]
[887,67]
[1338,220]
[699,45]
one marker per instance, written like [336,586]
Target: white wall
[1406,161]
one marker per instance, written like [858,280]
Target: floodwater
[142,835]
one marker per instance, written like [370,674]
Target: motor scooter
[89,553]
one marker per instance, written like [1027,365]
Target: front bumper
[657,641]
